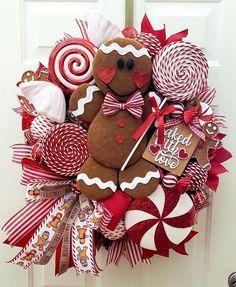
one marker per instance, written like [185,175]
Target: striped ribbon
[20,151]
[83,26]
[33,171]
[132,252]
[133,105]
[26,219]
[219,120]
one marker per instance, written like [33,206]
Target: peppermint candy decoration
[196,174]
[178,112]
[161,221]
[180,71]
[70,63]
[65,149]
[169,180]
[40,126]
[150,42]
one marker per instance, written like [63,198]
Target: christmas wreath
[121,147]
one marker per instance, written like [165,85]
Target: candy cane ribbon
[132,252]
[156,114]
[20,151]
[83,26]
[32,170]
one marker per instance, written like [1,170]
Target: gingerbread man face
[122,66]
[210,129]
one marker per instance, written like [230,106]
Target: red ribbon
[146,27]
[157,114]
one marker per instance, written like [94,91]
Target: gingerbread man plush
[201,153]
[116,108]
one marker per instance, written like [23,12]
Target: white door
[28,32]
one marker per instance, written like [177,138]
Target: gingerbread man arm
[85,102]
[215,144]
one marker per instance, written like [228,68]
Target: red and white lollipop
[70,63]
[161,221]
[180,71]
[65,149]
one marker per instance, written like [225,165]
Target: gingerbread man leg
[96,181]
[140,179]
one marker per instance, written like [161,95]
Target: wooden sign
[179,145]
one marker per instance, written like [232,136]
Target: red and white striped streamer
[26,219]
[32,253]
[20,151]
[83,26]
[129,249]
[207,95]
[180,71]
[219,120]
[32,171]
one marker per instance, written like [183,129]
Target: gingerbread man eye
[209,125]
[130,64]
[214,128]
[120,64]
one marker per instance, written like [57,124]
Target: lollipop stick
[140,139]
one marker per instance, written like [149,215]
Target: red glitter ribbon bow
[156,114]
[133,105]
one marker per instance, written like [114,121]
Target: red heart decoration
[140,79]
[106,74]
[154,149]
[183,154]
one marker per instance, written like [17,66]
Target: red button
[120,139]
[121,123]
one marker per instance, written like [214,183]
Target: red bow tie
[133,105]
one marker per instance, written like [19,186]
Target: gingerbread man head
[210,129]
[122,66]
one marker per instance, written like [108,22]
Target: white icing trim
[137,180]
[82,102]
[124,50]
[96,180]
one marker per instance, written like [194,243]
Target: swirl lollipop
[65,149]
[70,63]
[180,71]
